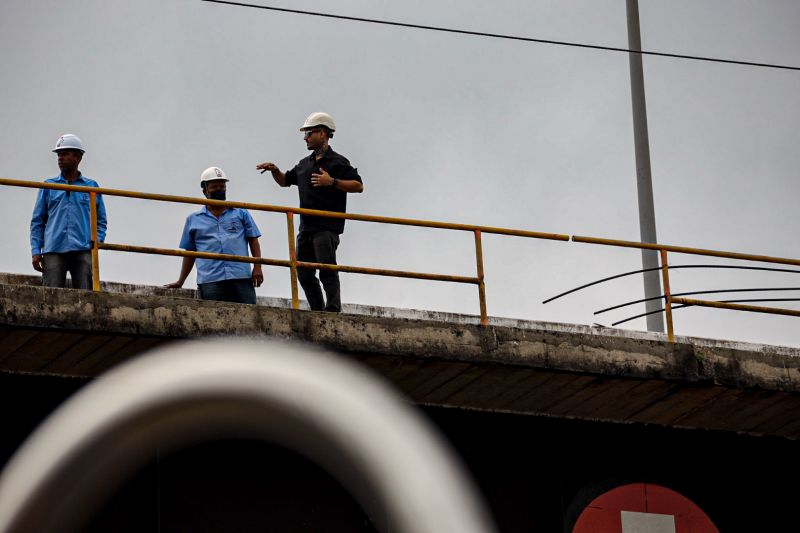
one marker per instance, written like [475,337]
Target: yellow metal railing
[669,300]
[293,264]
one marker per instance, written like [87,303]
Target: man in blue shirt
[221,230]
[60,226]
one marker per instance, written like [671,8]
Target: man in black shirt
[323,180]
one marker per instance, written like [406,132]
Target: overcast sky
[441,127]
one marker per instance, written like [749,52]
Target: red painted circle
[627,508]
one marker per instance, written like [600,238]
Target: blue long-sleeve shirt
[61,219]
[228,234]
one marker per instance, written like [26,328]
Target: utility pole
[644,182]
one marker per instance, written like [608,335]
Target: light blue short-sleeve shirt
[228,234]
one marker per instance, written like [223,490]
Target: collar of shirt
[205,211]
[327,154]
[61,179]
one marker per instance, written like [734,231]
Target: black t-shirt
[326,198]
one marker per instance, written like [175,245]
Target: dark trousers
[78,264]
[319,247]
[230,290]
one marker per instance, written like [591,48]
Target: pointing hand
[263,167]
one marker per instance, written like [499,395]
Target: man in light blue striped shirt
[61,234]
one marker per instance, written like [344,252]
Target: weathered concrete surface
[522,367]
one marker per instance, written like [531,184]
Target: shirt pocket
[55,197]
[232,227]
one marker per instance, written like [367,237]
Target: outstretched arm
[277,175]
[186,268]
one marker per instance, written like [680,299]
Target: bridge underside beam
[533,368]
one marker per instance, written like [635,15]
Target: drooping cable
[505,36]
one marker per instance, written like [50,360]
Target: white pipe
[308,400]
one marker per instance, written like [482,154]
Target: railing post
[481,284]
[95,253]
[292,259]
[667,295]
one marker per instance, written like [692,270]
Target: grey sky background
[441,127]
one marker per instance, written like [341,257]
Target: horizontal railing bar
[671,267]
[689,293]
[686,250]
[281,209]
[387,272]
[724,301]
[737,307]
[285,263]
[188,253]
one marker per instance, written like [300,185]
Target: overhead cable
[504,36]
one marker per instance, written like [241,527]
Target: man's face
[315,138]
[215,185]
[68,160]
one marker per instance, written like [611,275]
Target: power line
[506,37]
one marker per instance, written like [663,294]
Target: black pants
[319,247]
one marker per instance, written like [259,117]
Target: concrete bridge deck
[524,367]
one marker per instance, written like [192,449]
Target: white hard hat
[69,141]
[211,174]
[319,119]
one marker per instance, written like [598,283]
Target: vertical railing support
[292,259]
[95,249]
[481,284]
[667,295]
